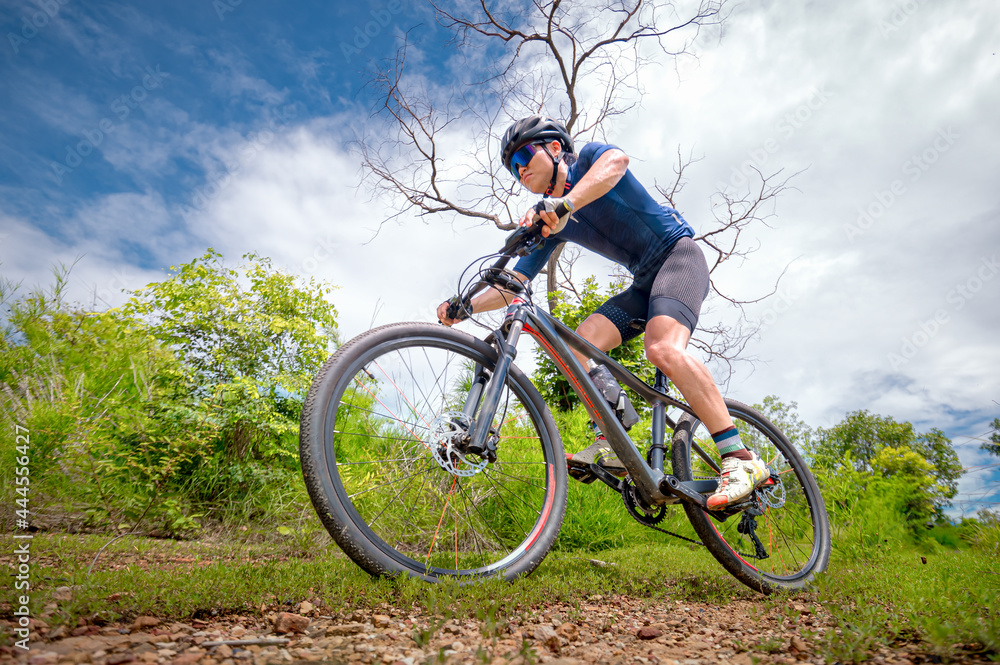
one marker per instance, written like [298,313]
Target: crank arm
[606,478]
[669,484]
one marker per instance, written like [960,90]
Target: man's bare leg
[599,331]
[666,347]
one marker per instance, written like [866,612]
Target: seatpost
[659,428]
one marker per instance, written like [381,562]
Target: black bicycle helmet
[533,129]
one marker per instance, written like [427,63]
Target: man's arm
[602,176]
[600,179]
[492,298]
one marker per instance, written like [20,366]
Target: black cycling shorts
[678,290]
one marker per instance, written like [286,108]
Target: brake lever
[525,239]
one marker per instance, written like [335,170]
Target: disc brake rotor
[773,495]
[448,433]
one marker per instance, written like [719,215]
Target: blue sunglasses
[522,157]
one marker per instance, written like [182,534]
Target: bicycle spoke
[423,500]
[386,416]
[391,482]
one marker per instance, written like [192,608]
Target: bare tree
[578,61]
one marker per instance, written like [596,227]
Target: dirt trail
[613,629]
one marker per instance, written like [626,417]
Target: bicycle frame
[653,485]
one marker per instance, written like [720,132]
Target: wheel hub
[449,439]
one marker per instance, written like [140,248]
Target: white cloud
[790,86]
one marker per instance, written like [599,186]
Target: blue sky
[134,136]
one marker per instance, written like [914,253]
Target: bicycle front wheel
[387,467]
[783,540]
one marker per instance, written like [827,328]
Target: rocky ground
[600,630]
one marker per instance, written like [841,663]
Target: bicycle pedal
[581,473]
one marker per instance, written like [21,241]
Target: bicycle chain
[675,535]
[635,516]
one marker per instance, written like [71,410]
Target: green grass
[951,600]
[948,605]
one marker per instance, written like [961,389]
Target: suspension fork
[491,399]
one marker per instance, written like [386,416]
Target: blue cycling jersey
[625,225]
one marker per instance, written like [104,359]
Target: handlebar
[520,242]
[523,240]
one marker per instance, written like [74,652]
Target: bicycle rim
[430,508]
[792,530]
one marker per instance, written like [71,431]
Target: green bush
[108,414]
[183,403]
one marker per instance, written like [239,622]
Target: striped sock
[729,444]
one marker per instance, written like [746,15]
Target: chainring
[641,513]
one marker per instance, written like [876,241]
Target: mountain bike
[427,452]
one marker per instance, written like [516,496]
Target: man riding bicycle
[592,199]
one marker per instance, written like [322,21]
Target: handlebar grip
[459,308]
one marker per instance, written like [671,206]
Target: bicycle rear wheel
[783,540]
[384,461]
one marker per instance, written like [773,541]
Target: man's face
[537,174]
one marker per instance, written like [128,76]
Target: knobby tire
[389,493]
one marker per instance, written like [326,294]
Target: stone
[224,651]
[143,622]
[381,621]
[547,636]
[648,633]
[345,629]
[43,658]
[569,631]
[62,593]
[798,645]
[187,659]
[305,607]
[119,658]
[286,622]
